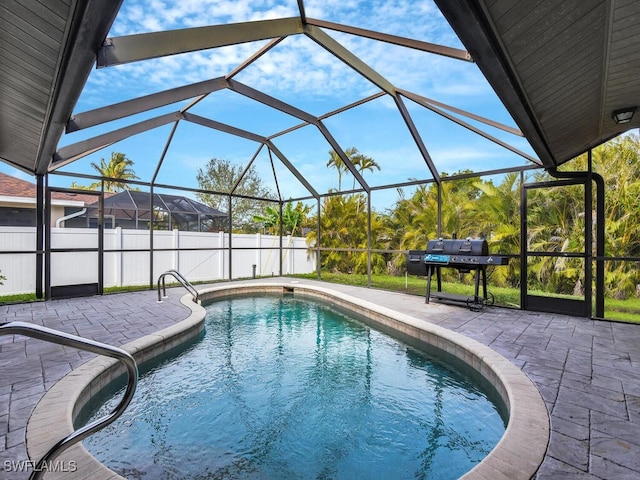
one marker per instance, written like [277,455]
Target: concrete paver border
[517,455]
[53,416]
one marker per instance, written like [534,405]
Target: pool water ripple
[287,387]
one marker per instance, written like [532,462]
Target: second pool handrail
[180,278]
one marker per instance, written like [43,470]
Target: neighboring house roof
[126,201]
[18,188]
[129,202]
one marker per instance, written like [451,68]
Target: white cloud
[304,74]
[296,66]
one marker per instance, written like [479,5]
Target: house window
[17,217]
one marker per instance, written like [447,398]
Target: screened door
[74,243]
[556,247]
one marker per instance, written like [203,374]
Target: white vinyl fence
[132,267]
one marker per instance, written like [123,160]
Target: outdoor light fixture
[624,115]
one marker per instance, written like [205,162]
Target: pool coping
[517,455]
[53,416]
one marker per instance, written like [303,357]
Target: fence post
[119,261]
[176,252]
[259,252]
[221,255]
[290,254]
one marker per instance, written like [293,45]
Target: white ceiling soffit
[561,67]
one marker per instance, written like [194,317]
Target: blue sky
[301,73]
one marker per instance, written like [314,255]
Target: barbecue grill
[468,255]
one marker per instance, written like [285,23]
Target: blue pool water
[283,387]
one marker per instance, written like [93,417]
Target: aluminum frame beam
[144,46]
[246,169]
[475,130]
[81,149]
[422,100]
[343,156]
[127,108]
[302,115]
[450,52]
[339,51]
[416,137]
[254,57]
[292,169]
[254,137]
[223,127]
[330,114]
[270,101]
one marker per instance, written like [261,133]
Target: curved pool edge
[517,455]
[522,448]
[52,418]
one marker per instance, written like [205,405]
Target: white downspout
[70,216]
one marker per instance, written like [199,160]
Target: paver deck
[587,371]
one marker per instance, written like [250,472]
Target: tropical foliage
[343,230]
[294,218]
[486,208]
[221,175]
[490,209]
[115,172]
[360,161]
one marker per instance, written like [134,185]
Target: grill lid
[453,246]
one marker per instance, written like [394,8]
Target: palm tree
[343,226]
[336,162]
[360,162]
[497,214]
[412,222]
[118,168]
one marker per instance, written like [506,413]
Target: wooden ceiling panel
[568,64]
[560,67]
[47,48]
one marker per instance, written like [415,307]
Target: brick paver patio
[588,372]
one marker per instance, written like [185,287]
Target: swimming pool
[285,387]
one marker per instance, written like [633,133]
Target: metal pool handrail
[61,338]
[183,281]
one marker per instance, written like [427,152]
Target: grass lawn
[18,298]
[619,310]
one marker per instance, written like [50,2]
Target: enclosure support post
[151,222]
[600,238]
[588,236]
[230,241]
[318,262]
[439,226]
[369,239]
[280,233]
[47,242]
[40,226]
[523,242]
[101,242]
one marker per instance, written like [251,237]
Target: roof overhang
[561,67]
[47,52]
